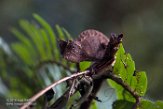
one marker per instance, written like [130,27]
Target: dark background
[141,22]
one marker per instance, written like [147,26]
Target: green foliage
[84,65]
[93,105]
[146,104]
[125,69]
[122,104]
[34,59]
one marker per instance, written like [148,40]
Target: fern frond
[50,32]
[67,34]
[60,32]
[23,52]
[41,43]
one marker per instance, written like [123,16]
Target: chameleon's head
[71,51]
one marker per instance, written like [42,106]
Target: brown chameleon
[89,46]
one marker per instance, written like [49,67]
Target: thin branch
[43,91]
[101,75]
[119,81]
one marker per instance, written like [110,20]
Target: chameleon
[89,46]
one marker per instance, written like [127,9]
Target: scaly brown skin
[92,45]
[89,46]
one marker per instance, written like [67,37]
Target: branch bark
[119,81]
[42,92]
[102,72]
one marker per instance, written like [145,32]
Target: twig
[35,97]
[102,75]
[119,81]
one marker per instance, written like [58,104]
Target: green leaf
[124,68]
[23,53]
[140,83]
[159,104]
[24,40]
[67,34]
[146,104]
[47,27]
[84,65]
[21,36]
[41,41]
[119,65]
[122,104]
[60,32]
[35,35]
[51,34]
[46,44]
[93,105]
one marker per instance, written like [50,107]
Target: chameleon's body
[91,45]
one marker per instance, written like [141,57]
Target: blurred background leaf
[34,61]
